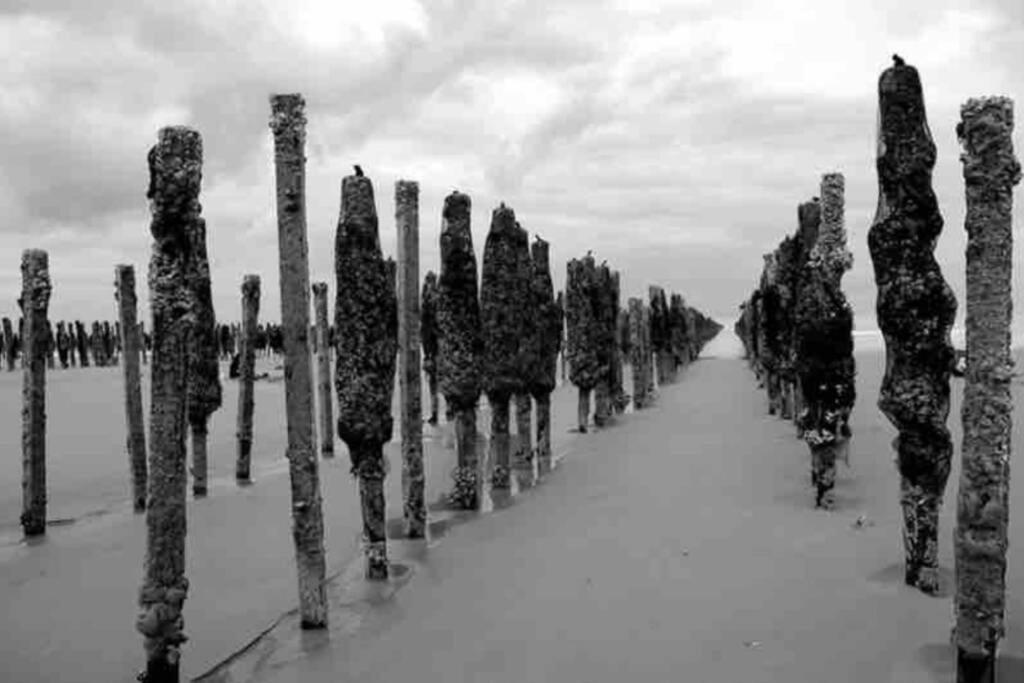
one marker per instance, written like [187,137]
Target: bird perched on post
[897,60]
[359,170]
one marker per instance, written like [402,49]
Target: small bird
[898,61]
[359,170]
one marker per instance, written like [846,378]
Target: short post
[246,376]
[127,304]
[324,386]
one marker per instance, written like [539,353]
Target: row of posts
[915,310]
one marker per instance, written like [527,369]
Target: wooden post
[914,394]
[636,356]
[366,318]
[175,172]
[990,170]
[127,306]
[460,345]
[35,300]
[582,341]
[10,349]
[288,123]
[204,390]
[324,386]
[246,376]
[428,337]
[542,371]
[407,218]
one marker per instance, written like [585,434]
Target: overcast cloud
[674,139]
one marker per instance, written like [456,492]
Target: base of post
[976,668]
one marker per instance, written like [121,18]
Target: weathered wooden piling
[428,339]
[366,318]
[542,359]
[246,376]
[915,310]
[288,124]
[10,349]
[460,345]
[175,175]
[582,333]
[35,302]
[824,332]
[636,349]
[51,347]
[991,170]
[323,370]
[407,219]
[127,314]
[503,293]
[204,390]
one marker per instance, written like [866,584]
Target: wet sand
[679,545]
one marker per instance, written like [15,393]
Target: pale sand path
[678,546]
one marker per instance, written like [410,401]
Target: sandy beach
[678,544]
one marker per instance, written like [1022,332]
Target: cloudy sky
[674,139]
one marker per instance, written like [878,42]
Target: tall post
[915,389]
[636,349]
[366,318]
[127,316]
[990,170]
[460,345]
[35,301]
[288,123]
[542,370]
[247,376]
[407,218]
[323,370]
[204,390]
[503,292]
[583,338]
[175,175]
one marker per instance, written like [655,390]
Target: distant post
[35,301]
[991,170]
[407,218]
[288,123]
[323,370]
[125,292]
[246,375]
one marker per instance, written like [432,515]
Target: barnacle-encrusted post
[915,310]
[96,341]
[503,292]
[660,334]
[10,349]
[127,306]
[648,353]
[770,331]
[366,319]
[560,300]
[288,124]
[204,390]
[407,218]
[460,344]
[247,376]
[528,339]
[619,326]
[991,170]
[175,175]
[542,368]
[35,301]
[825,344]
[582,337]
[323,370]
[636,348]
[82,339]
[602,303]
[428,337]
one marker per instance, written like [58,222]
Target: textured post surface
[247,375]
[288,123]
[582,334]
[35,302]
[428,337]
[543,360]
[366,319]
[175,175]
[127,307]
[636,363]
[323,370]
[460,344]
[407,219]
[503,292]
[990,171]
[915,310]
[10,350]
[204,390]
[824,333]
